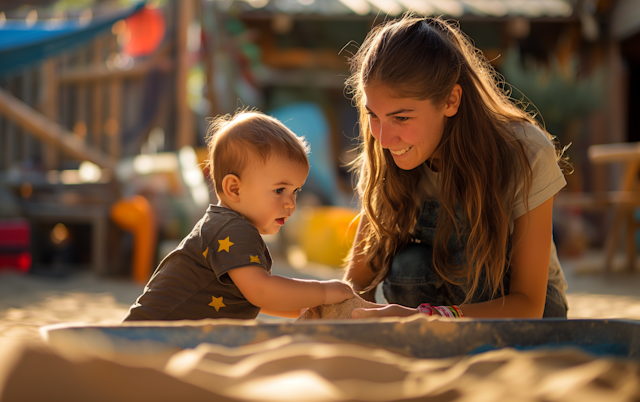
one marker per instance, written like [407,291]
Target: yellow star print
[217,303]
[254,258]
[225,244]
[206,252]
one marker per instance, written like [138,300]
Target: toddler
[222,269]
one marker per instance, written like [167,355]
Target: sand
[290,369]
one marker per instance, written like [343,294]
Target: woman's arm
[529,269]
[277,293]
[358,273]
[529,274]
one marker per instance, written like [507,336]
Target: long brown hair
[423,58]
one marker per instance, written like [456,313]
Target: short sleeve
[547,177]
[237,244]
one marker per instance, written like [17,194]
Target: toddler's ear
[231,187]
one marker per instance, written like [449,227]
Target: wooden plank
[303,58]
[49,131]
[620,152]
[100,72]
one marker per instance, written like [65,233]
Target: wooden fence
[89,103]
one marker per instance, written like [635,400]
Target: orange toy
[136,215]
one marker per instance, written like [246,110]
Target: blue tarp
[22,45]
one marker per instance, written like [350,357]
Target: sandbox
[416,337]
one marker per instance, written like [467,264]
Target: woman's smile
[401,151]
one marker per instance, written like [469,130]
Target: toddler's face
[268,193]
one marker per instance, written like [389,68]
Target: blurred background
[104,107]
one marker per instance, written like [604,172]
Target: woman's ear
[453,102]
[231,187]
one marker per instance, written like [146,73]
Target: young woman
[456,182]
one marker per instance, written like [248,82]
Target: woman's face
[409,128]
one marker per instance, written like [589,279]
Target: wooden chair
[622,202]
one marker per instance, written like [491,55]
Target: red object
[21,261]
[145,31]
[15,238]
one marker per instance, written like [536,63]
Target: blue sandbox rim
[420,337]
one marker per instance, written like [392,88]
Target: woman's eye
[372,115]
[402,118]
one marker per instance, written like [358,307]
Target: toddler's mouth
[280,221]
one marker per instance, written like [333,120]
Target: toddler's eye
[279,190]
[296,191]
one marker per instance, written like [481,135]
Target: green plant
[555,94]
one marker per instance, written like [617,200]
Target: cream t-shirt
[547,180]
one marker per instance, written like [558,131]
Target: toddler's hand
[336,291]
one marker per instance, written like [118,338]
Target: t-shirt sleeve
[547,177]
[238,244]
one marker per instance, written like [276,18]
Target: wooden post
[184,119]
[80,126]
[9,152]
[27,96]
[97,97]
[113,125]
[49,99]
[209,24]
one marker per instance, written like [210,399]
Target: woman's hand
[390,310]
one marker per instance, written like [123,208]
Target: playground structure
[82,112]
[75,105]
[94,117]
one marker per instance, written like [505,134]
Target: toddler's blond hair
[235,142]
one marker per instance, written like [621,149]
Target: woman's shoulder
[537,143]
[530,134]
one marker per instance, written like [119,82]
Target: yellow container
[326,233]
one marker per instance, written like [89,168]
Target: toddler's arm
[277,293]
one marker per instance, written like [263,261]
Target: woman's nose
[386,136]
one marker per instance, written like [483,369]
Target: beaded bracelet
[425,308]
[445,311]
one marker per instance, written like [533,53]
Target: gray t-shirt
[547,180]
[193,283]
